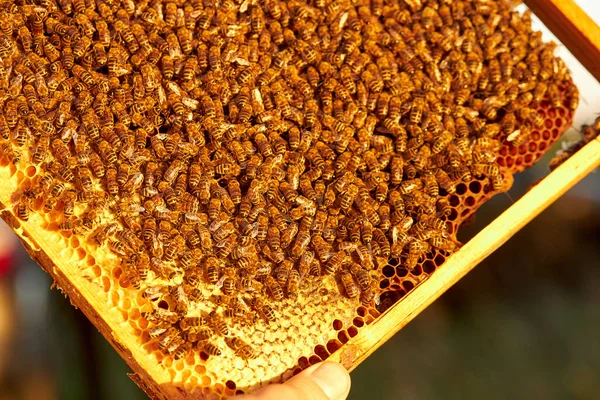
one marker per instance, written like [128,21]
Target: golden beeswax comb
[231,190]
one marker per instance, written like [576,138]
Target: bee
[102,234]
[211,349]
[442,243]
[241,348]
[218,324]
[22,209]
[263,308]
[293,284]
[198,333]
[574,100]
[350,286]
[555,95]
[274,288]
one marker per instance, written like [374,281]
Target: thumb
[323,381]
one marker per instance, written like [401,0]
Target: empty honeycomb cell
[546,134]
[532,147]
[337,324]
[388,271]
[461,189]
[523,149]
[470,201]
[322,352]
[384,284]
[116,272]
[303,362]
[439,259]
[90,260]
[333,345]
[230,385]
[179,365]
[205,380]
[475,187]
[74,242]
[542,147]
[429,267]
[114,295]
[200,370]
[96,271]
[358,322]
[81,253]
[31,171]
[124,282]
[408,285]
[20,177]
[343,337]
[555,133]
[312,360]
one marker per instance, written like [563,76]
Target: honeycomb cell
[333,345]
[117,272]
[91,261]
[322,352]
[337,324]
[343,337]
[81,253]
[312,360]
[358,322]
[126,304]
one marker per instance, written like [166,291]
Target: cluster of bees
[250,149]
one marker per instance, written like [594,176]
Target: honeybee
[442,243]
[274,288]
[241,348]
[350,286]
[211,349]
[167,338]
[217,323]
[199,334]
[160,314]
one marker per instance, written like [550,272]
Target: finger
[323,381]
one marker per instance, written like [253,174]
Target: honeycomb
[112,108]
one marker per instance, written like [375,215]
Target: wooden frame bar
[573,27]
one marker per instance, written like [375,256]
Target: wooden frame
[576,30]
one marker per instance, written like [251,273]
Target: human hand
[323,381]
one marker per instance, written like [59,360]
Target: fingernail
[333,379]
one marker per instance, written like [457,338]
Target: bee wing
[513,135]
